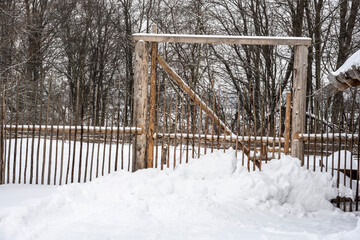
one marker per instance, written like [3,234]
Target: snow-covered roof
[348,75]
[353,60]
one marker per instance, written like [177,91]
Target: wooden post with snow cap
[299,101]
[140,103]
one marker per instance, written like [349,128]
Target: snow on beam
[72,129]
[329,137]
[220,138]
[248,40]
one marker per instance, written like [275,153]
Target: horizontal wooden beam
[247,40]
[72,129]
[329,137]
[221,138]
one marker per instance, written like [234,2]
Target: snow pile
[213,197]
[354,60]
[281,183]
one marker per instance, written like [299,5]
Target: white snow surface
[353,60]
[213,197]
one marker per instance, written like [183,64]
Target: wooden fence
[175,123]
[332,143]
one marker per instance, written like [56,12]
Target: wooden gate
[144,150]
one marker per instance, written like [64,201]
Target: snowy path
[209,198]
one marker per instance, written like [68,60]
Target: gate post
[140,103]
[151,129]
[299,101]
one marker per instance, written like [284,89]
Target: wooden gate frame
[141,75]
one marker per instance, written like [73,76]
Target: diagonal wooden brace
[197,100]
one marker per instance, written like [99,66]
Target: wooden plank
[16,133]
[93,145]
[117,134]
[81,137]
[196,99]
[39,136]
[9,150]
[187,129]
[358,170]
[69,155]
[169,131]
[287,123]
[175,126]
[199,129]
[46,126]
[104,149]
[50,148]
[163,127]
[2,143]
[62,151]
[254,119]
[243,125]
[299,100]
[212,120]
[329,138]
[220,138]
[123,137]
[248,40]
[87,150]
[111,139]
[76,123]
[151,130]
[56,153]
[280,115]
[140,103]
[182,125]
[71,129]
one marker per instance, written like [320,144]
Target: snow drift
[214,190]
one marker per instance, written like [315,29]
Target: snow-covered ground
[213,197]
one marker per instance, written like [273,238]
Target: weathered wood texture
[249,40]
[140,103]
[2,144]
[197,100]
[220,138]
[340,82]
[71,129]
[328,138]
[151,129]
[299,101]
[344,80]
[287,123]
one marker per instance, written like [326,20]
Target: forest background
[82,51]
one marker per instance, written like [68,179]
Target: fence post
[151,131]
[299,101]
[140,103]
[287,123]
